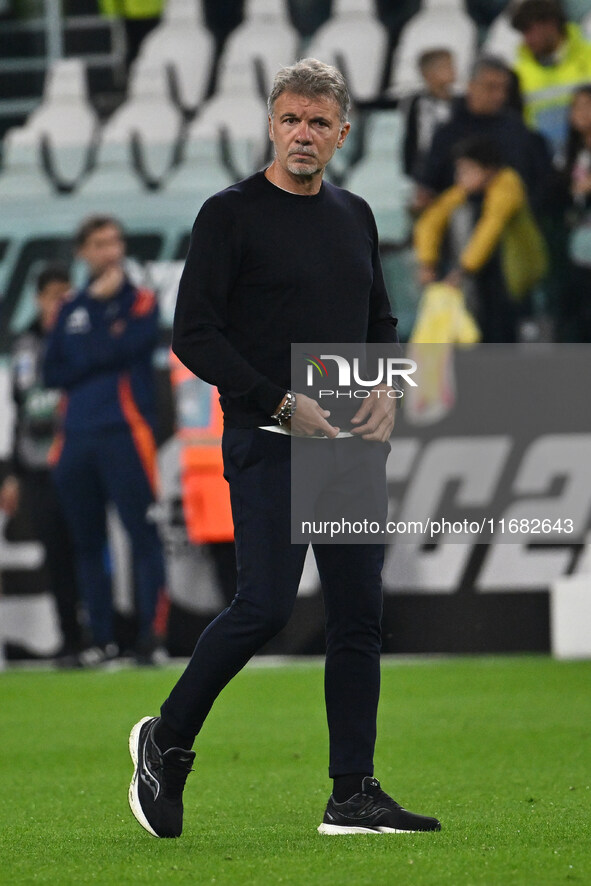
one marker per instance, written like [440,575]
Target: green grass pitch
[498,748]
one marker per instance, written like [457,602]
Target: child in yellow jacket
[498,253]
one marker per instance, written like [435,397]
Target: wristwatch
[286,408]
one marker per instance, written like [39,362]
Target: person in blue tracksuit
[100,354]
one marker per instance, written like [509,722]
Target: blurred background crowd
[109,96]
[471,141]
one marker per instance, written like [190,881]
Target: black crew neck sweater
[266,268]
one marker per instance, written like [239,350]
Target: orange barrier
[205,493]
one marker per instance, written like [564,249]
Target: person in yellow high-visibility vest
[139,17]
[552,61]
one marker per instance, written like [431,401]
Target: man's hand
[310,419]
[10,495]
[108,284]
[375,417]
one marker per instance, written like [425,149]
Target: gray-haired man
[278,258]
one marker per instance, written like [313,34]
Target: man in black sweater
[278,258]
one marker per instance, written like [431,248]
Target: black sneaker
[372,812]
[156,789]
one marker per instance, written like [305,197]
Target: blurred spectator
[100,352]
[575,313]
[484,112]
[29,484]
[553,59]
[139,18]
[495,249]
[426,110]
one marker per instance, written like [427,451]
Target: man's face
[103,249]
[488,91]
[306,132]
[542,38]
[49,301]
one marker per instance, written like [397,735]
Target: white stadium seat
[183,45]
[502,40]
[147,125]
[379,179]
[202,172]
[238,110]
[114,173]
[439,24]
[355,40]
[265,37]
[576,10]
[22,175]
[65,122]
[586,26]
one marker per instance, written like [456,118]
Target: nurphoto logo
[389,371]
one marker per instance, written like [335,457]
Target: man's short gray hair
[312,79]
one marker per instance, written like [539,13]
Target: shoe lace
[176,771]
[381,797]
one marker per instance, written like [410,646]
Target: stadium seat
[202,171]
[238,111]
[502,39]
[440,23]
[113,173]
[186,49]
[22,174]
[147,126]
[265,38]
[345,158]
[65,125]
[355,41]
[586,26]
[379,179]
[576,10]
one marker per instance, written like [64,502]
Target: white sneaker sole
[134,800]
[343,829]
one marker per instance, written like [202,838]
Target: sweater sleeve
[201,315]
[431,226]
[504,197]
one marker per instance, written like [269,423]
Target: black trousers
[257,465]
[41,502]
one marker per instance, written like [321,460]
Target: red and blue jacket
[100,354]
